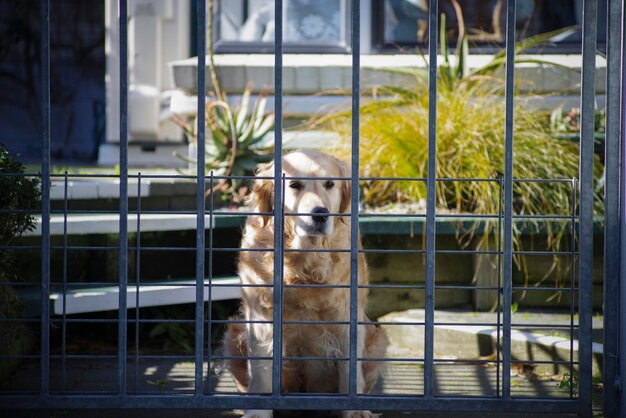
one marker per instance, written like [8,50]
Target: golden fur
[303,303]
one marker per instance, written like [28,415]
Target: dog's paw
[359,414]
[258,413]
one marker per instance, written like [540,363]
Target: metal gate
[581,223]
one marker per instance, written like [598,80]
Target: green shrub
[470,144]
[238,138]
[17,193]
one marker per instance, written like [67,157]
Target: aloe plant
[238,138]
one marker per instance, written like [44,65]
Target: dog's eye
[296,185]
[329,184]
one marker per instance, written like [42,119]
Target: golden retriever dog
[315,228]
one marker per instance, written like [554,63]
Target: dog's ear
[346,187]
[262,196]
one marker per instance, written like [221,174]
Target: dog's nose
[319,215]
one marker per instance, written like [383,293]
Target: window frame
[259,47]
[379,45]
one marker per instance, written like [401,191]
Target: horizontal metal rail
[293,401]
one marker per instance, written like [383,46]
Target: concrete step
[535,337]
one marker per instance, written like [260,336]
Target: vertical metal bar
[45,196]
[354,204]
[431,200]
[508,198]
[123,238]
[611,209]
[200,190]
[64,316]
[137,280]
[585,260]
[499,298]
[277,354]
[210,290]
[572,280]
[622,239]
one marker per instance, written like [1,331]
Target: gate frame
[615,241]
[614,307]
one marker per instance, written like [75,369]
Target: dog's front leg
[344,372]
[260,345]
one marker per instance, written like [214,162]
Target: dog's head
[312,189]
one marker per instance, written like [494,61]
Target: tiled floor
[170,376]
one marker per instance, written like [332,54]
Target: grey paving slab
[177,377]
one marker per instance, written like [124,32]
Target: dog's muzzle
[317,224]
[319,216]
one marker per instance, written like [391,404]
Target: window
[404,23]
[309,26]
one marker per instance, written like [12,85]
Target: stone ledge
[464,340]
[98,299]
[109,223]
[315,73]
[110,188]
[106,298]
